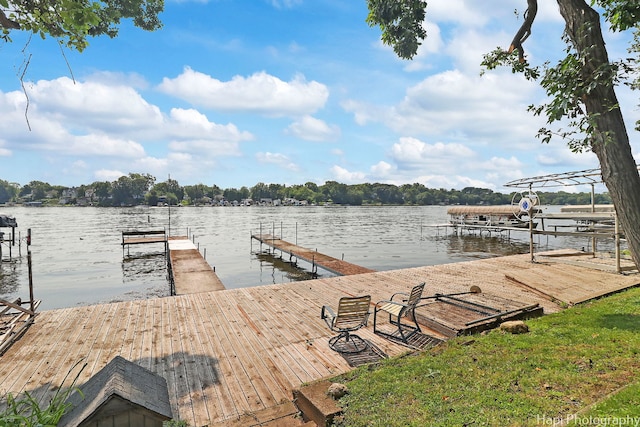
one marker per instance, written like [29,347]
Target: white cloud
[411,153]
[285,4]
[277,159]
[312,129]
[342,175]
[108,175]
[382,169]
[259,93]
[452,105]
[96,105]
[191,131]
[102,145]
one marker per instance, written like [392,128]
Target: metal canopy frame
[565,179]
[584,177]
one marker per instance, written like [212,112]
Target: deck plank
[229,353]
[220,385]
[191,272]
[311,256]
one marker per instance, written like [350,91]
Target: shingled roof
[120,387]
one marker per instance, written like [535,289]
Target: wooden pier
[140,237]
[234,357]
[189,272]
[313,257]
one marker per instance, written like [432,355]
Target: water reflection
[282,268]
[10,276]
[476,246]
[140,266]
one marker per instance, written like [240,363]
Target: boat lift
[590,177]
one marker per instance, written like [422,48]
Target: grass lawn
[580,363]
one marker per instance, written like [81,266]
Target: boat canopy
[7,221]
[484,210]
[588,208]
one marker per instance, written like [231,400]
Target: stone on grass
[514,327]
[337,390]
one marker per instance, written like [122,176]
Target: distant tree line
[142,189]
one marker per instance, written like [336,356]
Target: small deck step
[315,404]
[283,415]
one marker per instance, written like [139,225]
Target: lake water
[77,257]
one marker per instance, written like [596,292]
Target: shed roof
[125,381]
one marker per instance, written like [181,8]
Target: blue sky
[233,93]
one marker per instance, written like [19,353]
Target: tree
[580,86]
[73,21]
[7,191]
[102,191]
[171,190]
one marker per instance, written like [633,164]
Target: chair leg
[404,331]
[358,345]
[412,329]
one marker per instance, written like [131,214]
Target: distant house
[70,193]
[219,200]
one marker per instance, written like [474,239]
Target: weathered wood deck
[139,237]
[236,352]
[311,256]
[190,271]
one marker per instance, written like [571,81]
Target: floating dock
[189,272]
[139,237]
[313,257]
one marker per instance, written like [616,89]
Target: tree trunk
[610,140]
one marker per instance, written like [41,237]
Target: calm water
[77,257]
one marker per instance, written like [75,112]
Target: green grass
[566,363]
[27,411]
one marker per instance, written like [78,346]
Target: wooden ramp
[315,258]
[239,353]
[190,272]
[14,320]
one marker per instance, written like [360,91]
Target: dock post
[31,302]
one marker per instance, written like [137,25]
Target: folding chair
[397,310]
[353,314]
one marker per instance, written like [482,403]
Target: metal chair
[397,310]
[353,314]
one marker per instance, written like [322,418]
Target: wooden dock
[233,357]
[189,272]
[139,237]
[313,257]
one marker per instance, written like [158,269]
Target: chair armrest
[400,293]
[327,312]
[328,315]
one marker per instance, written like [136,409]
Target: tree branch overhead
[525,30]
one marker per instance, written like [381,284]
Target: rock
[514,327]
[337,390]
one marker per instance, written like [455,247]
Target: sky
[238,92]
